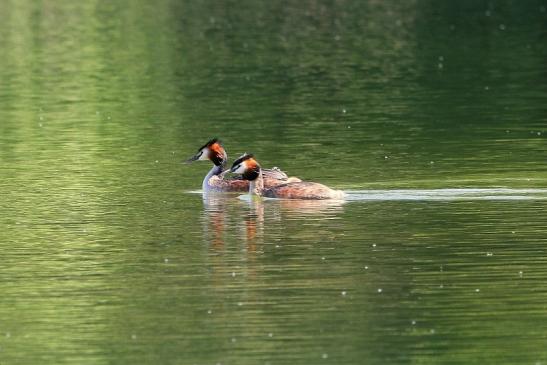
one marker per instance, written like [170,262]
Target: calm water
[432,115]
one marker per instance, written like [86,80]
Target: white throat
[256,186]
[216,170]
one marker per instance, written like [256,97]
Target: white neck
[216,170]
[256,186]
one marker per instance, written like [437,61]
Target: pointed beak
[191,159]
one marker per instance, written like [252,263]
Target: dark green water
[108,257]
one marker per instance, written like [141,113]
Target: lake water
[431,115]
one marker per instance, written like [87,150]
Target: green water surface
[108,256]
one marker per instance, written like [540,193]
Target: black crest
[244,157]
[210,143]
[217,155]
[252,171]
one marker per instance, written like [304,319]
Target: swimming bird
[215,181]
[250,170]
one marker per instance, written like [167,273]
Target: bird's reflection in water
[238,230]
[214,218]
[224,212]
[249,217]
[254,225]
[315,209]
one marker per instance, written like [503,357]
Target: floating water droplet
[325,356]
[432,331]
[502,26]
[166,260]
[239,304]
[386,157]
[8,335]
[133,336]
[366,267]
[539,133]
[233,339]
[41,118]
[520,273]
[477,290]
[374,245]
[489,254]
[440,66]
[487,88]
[379,290]
[233,274]
[344,111]
[40,125]
[413,323]
[270,334]
[209,311]
[344,293]
[322,258]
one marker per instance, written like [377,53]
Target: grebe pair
[215,181]
[272,183]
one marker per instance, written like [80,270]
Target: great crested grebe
[250,170]
[215,181]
